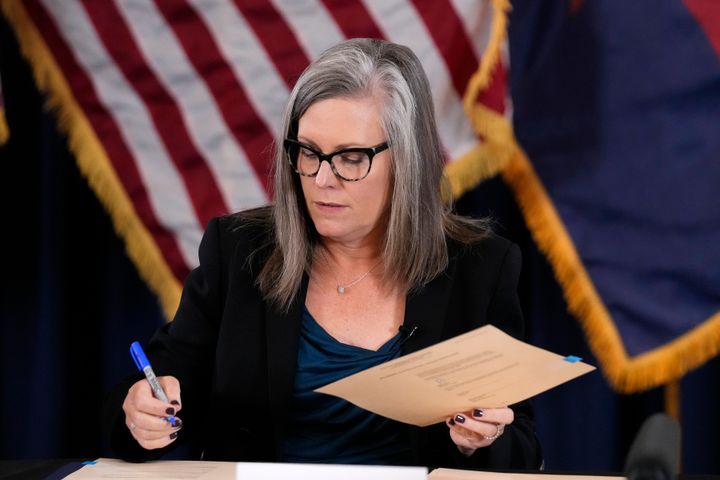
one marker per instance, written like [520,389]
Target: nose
[325,176]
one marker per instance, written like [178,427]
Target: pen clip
[138,355]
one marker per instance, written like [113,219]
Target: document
[105,468]
[110,468]
[450,474]
[483,368]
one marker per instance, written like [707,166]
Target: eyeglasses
[349,164]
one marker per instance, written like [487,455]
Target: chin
[333,231]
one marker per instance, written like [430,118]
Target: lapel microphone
[408,331]
[655,452]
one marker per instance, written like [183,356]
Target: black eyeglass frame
[327,157]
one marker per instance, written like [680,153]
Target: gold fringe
[93,160]
[485,159]
[481,79]
[627,375]
[672,399]
[4,130]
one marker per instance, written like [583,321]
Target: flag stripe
[312,24]
[495,95]
[401,23]
[707,14]
[167,119]
[250,63]
[231,135]
[276,37]
[446,30]
[208,130]
[171,203]
[353,18]
[110,135]
[476,18]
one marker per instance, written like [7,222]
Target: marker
[137,353]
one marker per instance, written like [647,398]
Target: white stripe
[233,173]
[476,17]
[170,203]
[248,60]
[400,23]
[312,24]
[505,59]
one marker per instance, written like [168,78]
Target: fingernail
[175,402]
[478,413]
[178,423]
[170,411]
[451,422]
[174,435]
[459,419]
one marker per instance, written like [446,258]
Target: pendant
[340,289]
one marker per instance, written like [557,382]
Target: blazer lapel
[425,311]
[282,331]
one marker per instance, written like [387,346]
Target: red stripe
[448,33]
[247,127]
[276,37]
[353,18]
[165,113]
[110,136]
[707,14]
[496,93]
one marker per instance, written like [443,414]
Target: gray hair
[415,249]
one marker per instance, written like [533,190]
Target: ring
[499,431]
[132,426]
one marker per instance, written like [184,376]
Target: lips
[329,206]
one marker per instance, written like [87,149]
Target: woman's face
[347,212]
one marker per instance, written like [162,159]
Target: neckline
[384,348]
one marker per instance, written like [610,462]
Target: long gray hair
[414,250]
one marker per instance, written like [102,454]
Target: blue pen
[143,365]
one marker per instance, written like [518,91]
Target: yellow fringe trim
[672,399]
[656,367]
[485,159]
[4,130]
[490,58]
[93,160]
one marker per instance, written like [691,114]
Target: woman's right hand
[146,416]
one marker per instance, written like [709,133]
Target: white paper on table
[111,468]
[451,474]
[298,471]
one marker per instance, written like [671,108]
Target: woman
[357,262]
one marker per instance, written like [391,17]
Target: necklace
[340,287]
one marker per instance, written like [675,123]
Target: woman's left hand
[478,428]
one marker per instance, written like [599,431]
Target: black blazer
[235,354]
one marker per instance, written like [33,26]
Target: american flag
[171,106]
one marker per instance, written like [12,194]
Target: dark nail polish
[173,435]
[451,422]
[175,402]
[459,419]
[178,423]
[478,413]
[170,411]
